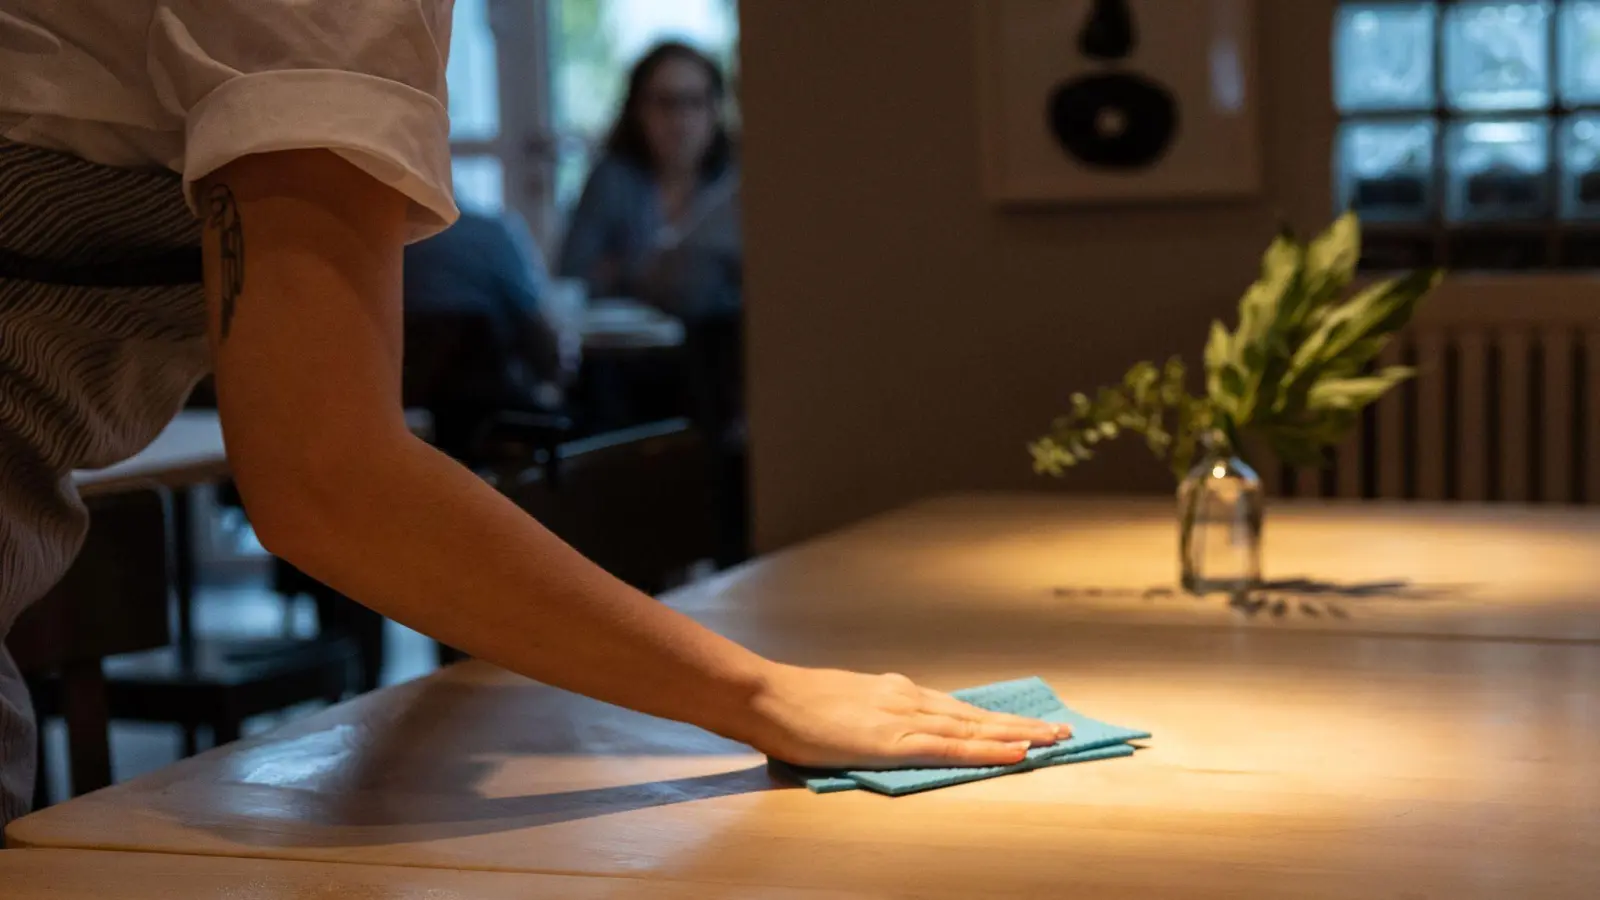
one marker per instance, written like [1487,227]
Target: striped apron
[102,337]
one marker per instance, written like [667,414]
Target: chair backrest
[114,598]
[455,367]
[636,501]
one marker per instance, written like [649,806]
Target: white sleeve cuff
[393,132]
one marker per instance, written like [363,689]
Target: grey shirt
[621,244]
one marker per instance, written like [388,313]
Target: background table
[68,875]
[618,324]
[188,453]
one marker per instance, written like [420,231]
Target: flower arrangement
[1295,372]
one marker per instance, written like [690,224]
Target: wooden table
[188,453]
[617,324]
[1317,760]
[81,875]
[1479,571]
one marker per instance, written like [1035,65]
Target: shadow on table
[416,769]
[380,820]
[1295,597]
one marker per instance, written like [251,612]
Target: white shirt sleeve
[362,78]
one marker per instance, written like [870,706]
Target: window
[524,123]
[476,132]
[593,44]
[1470,131]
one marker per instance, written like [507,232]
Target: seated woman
[659,222]
[659,218]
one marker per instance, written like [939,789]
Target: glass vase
[1220,508]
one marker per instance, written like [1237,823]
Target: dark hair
[628,140]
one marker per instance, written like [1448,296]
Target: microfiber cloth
[1091,740]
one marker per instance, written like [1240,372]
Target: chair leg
[41,774]
[225,731]
[83,704]
[447,654]
[369,632]
[338,614]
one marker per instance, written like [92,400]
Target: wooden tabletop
[619,324]
[88,875]
[1315,765]
[1437,747]
[1056,562]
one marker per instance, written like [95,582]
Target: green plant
[1296,372]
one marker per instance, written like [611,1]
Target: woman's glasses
[678,103]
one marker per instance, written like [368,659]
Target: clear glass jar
[1220,508]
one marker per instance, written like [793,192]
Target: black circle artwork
[1112,119]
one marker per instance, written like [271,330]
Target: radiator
[1505,407]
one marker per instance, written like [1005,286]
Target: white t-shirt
[191,85]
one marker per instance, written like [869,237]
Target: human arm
[308,381]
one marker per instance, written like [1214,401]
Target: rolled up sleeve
[364,80]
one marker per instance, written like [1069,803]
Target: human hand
[826,718]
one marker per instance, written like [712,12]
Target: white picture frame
[1200,53]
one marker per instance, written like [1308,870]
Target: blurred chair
[714,362]
[638,502]
[114,599]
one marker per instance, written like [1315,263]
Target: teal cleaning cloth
[1091,740]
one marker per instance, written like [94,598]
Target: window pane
[1383,57]
[1497,56]
[1386,169]
[473,74]
[480,184]
[1580,52]
[593,45]
[1497,169]
[1580,167]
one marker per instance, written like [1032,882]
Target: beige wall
[906,338]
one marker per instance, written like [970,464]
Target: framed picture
[1118,101]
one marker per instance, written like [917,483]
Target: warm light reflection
[524,775]
[1019,560]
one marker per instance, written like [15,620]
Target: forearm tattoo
[222,216]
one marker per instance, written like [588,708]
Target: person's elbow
[302,488]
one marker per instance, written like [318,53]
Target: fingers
[1035,734]
[935,751]
[946,705]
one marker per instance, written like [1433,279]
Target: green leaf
[1353,394]
[1331,259]
[1358,326]
[1259,308]
[1354,360]
[1232,383]
[1219,353]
